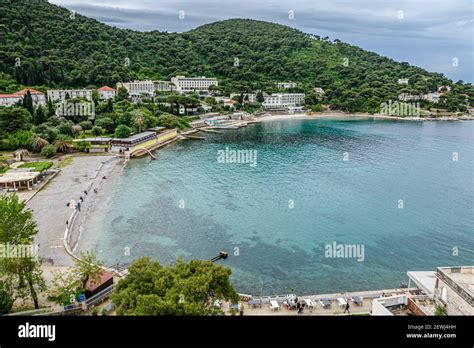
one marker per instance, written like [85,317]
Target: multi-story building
[283,101]
[106,93]
[138,88]
[286,85]
[12,99]
[455,289]
[61,94]
[193,84]
[164,86]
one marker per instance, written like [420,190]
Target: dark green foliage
[48,151]
[6,299]
[172,121]
[96,131]
[185,288]
[123,131]
[13,119]
[56,50]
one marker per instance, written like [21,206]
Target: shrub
[123,131]
[6,300]
[48,151]
[440,310]
[86,125]
[96,131]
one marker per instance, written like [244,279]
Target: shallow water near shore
[276,218]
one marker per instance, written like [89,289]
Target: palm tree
[38,143]
[139,122]
[20,153]
[63,144]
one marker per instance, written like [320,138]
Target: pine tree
[28,103]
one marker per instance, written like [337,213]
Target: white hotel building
[11,99]
[60,94]
[283,101]
[138,88]
[193,84]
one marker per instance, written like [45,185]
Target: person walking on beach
[347,308]
[85,191]
[78,206]
[81,199]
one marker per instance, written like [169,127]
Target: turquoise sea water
[282,249]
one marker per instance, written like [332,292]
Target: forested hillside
[46,45]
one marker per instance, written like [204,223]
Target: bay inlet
[403,192]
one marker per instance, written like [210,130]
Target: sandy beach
[50,208]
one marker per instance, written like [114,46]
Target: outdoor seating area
[360,303]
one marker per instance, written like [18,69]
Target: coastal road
[49,205]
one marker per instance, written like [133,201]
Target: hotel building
[12,99]
[138,88]
[60,94]
[193,84]
[283,101]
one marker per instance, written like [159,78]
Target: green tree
[28,103]
[260,97]
[123,131]
[122,93]
[184,288]
[86,125]
[107,123]
[6,299]
[88,267]
[13,119]
[39,116]
[172,121]
[17,227]
[48,151]
[96,131]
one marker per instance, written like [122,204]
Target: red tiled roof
[24,91]
[106,88]
[94,284]
[9,96]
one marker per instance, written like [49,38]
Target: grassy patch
[65,162]
[38,166]
[4,169]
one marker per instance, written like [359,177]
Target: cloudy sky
[434,34]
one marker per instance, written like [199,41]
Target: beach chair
[309,303]
[357,300]
[325,303]
[341,301]
[274,305]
